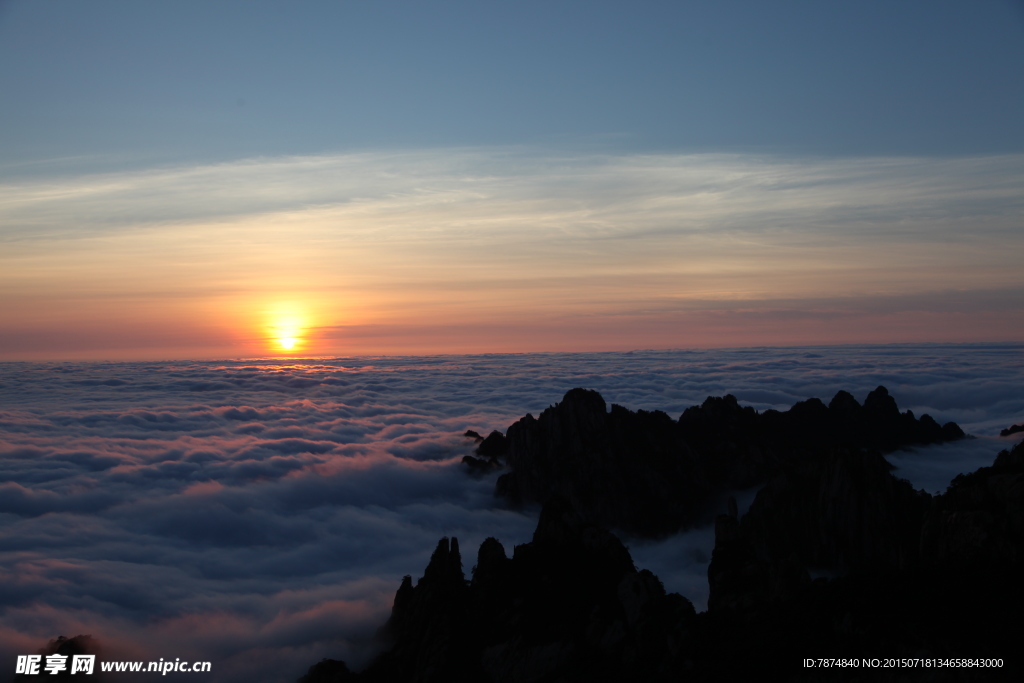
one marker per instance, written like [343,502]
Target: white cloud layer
[260,515]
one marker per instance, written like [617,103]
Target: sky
[260,515]
[312,178]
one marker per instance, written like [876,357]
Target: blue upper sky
[222,178]
[195,80]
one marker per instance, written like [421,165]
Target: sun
[287,338]
[285,328]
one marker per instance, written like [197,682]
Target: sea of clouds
[260,514]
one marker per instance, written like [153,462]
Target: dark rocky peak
[951,431]
[577,422]
[573,428]
[878,424]
[621,468]
[425,626]
[492,564]
[491,554]
[653,420]
[718,414]
[445,563]
[640,472]
[582,401]
[1011,430]
[881,404]
[719,407]
[844,406]
[404,595]
[569,606]
[810,410]
[440,591]
[807,422]
[491,451]
[581,413]
[494,446]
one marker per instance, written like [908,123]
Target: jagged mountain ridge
[649,475]
[570,606]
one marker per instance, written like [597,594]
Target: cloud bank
[261,515]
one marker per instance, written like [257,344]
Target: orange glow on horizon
[285,328]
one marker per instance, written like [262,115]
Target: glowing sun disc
[288,343]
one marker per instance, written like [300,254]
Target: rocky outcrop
[621,468]
[842,557]
[744,446]
[980,518]
[836,558]
[490,451]
[428,624]
[1011,430]
[843,512]
[649,475]
[568,606]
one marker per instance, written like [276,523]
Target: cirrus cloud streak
[459,246]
